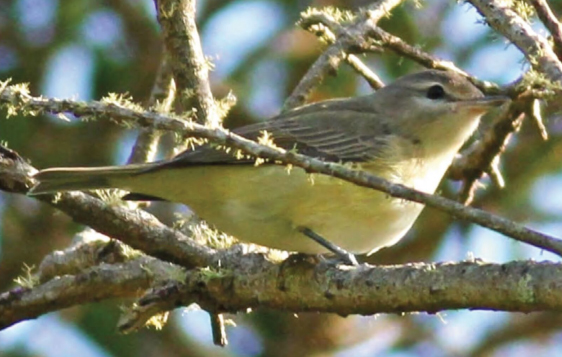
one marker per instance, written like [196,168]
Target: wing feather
[334,131]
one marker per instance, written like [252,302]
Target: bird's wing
[337,130]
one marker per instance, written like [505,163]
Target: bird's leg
[343,254]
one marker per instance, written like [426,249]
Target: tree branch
[550,21]
[483,157]
[101,282]
[399,46]
[161,98]
[366,290]
[330,32]
[136,228]
[20,100]
[88,248]
[190,68]
[335,53]
[177,19]
[251,281]
[536,49]
[362,42]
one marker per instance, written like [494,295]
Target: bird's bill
[484,104]
[487,102]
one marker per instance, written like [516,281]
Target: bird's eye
[436,92]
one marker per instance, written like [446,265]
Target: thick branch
[136,228]
[102,282]
[366,290]
[190,68]
[252,282]
[89,248]
[26,103]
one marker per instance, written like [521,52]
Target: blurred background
[87,49]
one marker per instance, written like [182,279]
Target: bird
[407,132]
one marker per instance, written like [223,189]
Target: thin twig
[399,46]
[551,22]
[327,63]
[330,32]
[534,113]
[374,81]
[479,158]
[161,98]
[19,99]
[374,38]
[218,329]
[330,60]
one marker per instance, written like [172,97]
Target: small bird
[407,132]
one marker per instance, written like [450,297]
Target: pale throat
[437,154]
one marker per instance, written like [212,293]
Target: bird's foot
[343,255]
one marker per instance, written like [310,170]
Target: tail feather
[82,178]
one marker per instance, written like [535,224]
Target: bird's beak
[492,101]
[484,104]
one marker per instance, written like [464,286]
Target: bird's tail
[83,178]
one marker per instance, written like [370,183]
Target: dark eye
[436,92]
